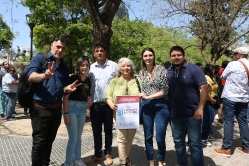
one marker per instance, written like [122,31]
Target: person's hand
[198,114]
[72,87]
[114,107]
[142,96]
[90,102]
[50,71]
[66,119]
[213,101]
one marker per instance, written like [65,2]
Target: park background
[207,30]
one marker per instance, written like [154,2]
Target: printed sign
[127,115]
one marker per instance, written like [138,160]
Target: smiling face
[84,67]
[58,49]
[125,69]
[177,58]
[148,58]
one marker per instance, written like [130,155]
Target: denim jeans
[2,102]
[101,113]
[77,115]
[208,118]
[45,123]
[155,111]
[238,109]
[180,127]
[10,99]
[248,114]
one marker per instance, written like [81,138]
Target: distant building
[122,11]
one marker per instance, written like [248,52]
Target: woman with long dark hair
[211,105]
[154,104]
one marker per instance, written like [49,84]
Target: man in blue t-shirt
[187,94]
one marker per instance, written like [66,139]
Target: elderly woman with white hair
[124,84]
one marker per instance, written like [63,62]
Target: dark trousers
[100,114]
[45,123]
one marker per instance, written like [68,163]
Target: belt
[100,103]
[46,105]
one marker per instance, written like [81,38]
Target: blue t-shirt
[49,91]
[184,92]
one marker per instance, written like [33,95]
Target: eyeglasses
[61,38]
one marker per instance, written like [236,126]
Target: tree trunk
[102,21]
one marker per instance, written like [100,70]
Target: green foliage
[61,18]
[131,37]
[6,35]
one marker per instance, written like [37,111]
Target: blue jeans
[77,114]
[238,109]
[180,127]
[208,118]
[248,115]
[157,111]
[10,99]
[2,102]
[101,113]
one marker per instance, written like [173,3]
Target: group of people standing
[8,91]
[176,96]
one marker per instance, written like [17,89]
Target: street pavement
[15,149]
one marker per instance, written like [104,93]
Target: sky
[14,14]
[15,17]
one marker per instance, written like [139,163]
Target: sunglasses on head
[61,38]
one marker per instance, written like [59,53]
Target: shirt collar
[51,58]
[105,64]
[185,64]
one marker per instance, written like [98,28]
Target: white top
[100,76]
[7,88]
[237,86]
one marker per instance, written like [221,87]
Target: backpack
[26,89]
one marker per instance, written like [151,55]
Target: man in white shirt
[10,85]
[235,101]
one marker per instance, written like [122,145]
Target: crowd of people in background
[187,96]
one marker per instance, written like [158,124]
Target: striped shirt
[100,76]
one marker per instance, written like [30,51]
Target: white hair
[128,62]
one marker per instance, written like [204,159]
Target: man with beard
[52,81]
[187,94]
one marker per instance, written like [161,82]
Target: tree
[130,37]
[61,18]
[217,23]
[102,13]
[6,35]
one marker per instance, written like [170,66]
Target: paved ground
[15,146]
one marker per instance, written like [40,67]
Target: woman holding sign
[154,104]
[124,84]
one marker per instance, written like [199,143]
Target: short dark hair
[4,62]
[99,44]
[167,64]
[198,64]
[11,69]
[63,39]
[177,48]
[224,64]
